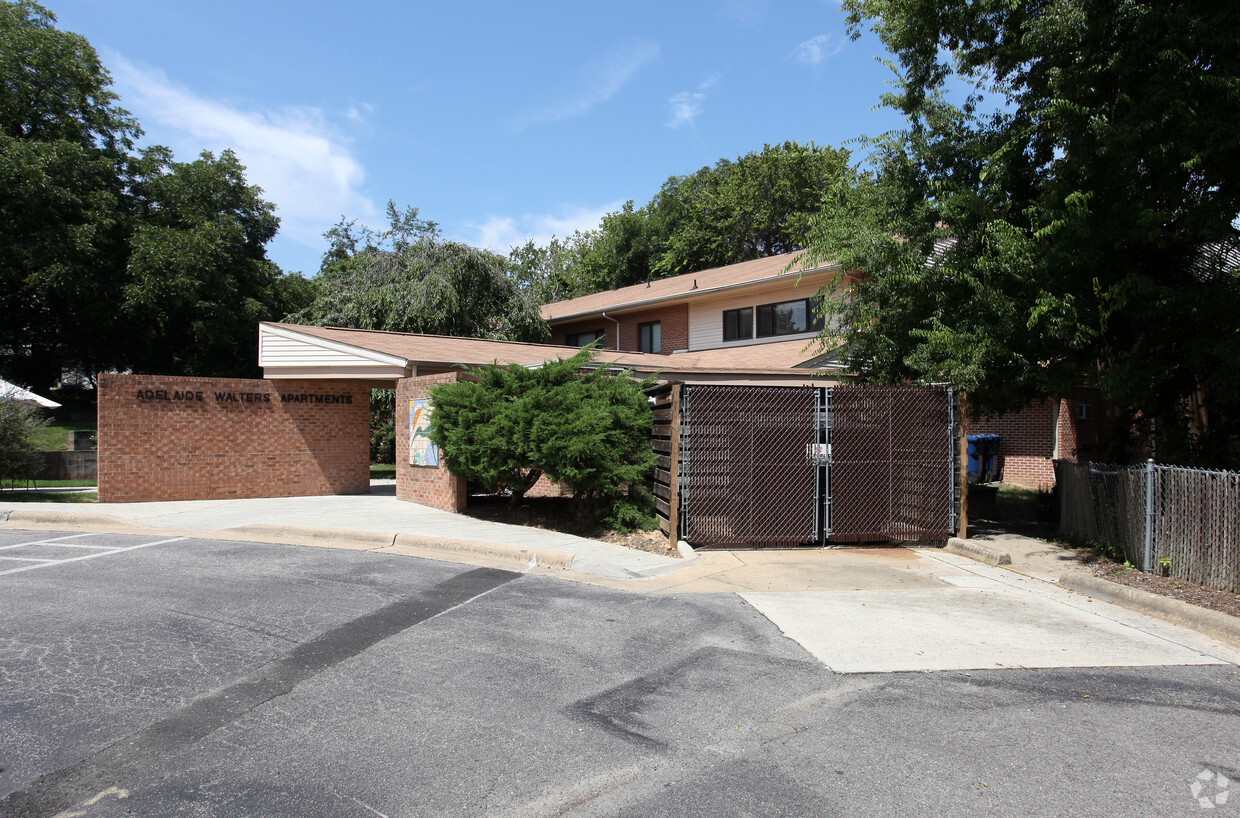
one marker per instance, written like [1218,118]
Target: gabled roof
[681,287]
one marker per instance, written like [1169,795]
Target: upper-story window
[581,339]
[650,337]
[738,324]
[789,317]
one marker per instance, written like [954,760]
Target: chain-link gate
[765,466]
[745,478]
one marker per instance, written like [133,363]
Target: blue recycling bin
[983,457]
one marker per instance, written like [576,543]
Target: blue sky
[502,122]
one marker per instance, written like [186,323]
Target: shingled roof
[682,287]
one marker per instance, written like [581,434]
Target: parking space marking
[109,552]
[54,541]
[28,559]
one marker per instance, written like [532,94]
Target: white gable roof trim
[281,347]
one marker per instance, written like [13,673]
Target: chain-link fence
[1184,523]
[892,464]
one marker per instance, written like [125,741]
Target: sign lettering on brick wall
[239,398]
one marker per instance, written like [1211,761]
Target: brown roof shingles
[678,287]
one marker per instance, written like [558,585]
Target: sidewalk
[333,518]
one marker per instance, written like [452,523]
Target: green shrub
[586,428]
[20,458]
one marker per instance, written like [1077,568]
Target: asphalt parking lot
[146,675]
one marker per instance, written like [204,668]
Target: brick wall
[429,485]
[559,335]
[673,329]
[183,438]
[1028,446]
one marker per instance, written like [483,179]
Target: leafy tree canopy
[756,206]
[110,260]
[1074,216]
[410,279]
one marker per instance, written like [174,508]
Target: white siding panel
[706,317]
[276,350]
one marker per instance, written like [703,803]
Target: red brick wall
[183,438]
[673,329]
[1028,443]
[429,485]
[1028,446]
[559,335]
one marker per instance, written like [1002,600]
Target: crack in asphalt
[64,788]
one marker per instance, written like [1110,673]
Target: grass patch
[1018,503]
[382,471]
[55,435]
[49,496]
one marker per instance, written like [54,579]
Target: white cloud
[686,105]
[818,50]
[294,154]
[601,82]
[500,234]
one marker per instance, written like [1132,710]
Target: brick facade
[186,438]
[1028,447]
[673,329]
[431,486]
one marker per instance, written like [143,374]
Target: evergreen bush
[585,427]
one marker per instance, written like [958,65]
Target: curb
[542,557]
[73,521]
[442,548]
[1211,623]
[974,551]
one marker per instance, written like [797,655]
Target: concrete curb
[441,548]
[975,551]
[542,557]
[73,521]
[1211,623]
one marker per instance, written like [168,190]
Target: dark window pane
[649,337]
[787,318]
[738,324]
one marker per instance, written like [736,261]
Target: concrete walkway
[379,512]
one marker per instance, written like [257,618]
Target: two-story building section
[765,310]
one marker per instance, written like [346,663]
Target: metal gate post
[824,437]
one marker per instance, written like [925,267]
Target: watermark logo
[1211,789]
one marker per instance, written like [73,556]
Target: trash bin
[983,458]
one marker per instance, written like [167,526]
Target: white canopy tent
[15,392]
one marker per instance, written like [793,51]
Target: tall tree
[63,152]
[110,260]
[199,280]
[409,279]
[1074,216]
[757,206]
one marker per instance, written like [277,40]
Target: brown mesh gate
[764,466]
[745,474]
[892,472]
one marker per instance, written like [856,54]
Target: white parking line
[52,542]
[50,563]
[28,559]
